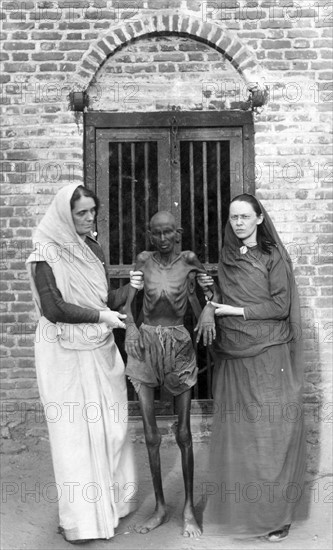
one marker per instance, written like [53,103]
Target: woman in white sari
[80,371]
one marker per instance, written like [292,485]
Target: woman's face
[83,214]
[244,221]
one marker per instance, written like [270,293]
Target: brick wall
[159,55]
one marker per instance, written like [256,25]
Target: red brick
[308,54]
[31,393]
[19,68]
[326,291]
[233,49]
[37,35]
[171,56]
[75,45]
[301,43]
[97,56]
[74,56]
[277,65]
[273,54]
[19,46]
[195,56]
[67,67]
[326,54]
[140,68]
[321,65]
[101,25]
[19,373]
[275,44]
[7,297]
[183,67]
[20,57]
[48,67]
[328,75]
[275,24]
[105,47]
[74,36]
[49,56]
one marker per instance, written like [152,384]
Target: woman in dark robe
[257,458]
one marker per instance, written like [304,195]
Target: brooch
[243,249]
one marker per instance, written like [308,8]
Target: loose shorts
[169,360]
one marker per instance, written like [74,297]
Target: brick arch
[217,37]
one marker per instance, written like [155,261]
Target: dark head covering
[233,251]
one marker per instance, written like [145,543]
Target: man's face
[163,234]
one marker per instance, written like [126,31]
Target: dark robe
[257,459]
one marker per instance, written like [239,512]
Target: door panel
[133,178]
[210,165]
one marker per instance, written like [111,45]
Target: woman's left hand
[136,279]
[205,281]
[112,318]
[223,309]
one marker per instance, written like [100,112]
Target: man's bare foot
[155,520]
[190,526]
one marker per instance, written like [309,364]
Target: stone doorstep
[200,426]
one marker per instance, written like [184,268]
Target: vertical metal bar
[133,202]
[236,166]
[195,394]
[218,197]
[191,162]
[248,157]
[146,172]
[103,190]
[205,198]
[120,203]
[209,375]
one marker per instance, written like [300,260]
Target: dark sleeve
[54,308]
[279,304]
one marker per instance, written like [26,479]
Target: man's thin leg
[184,440]
[153,441]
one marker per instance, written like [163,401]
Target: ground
[29,520]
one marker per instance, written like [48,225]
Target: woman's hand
[112,318]
[223,309]
[205,281]
[136,279]
[206,326]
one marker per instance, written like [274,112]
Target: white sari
[82,386]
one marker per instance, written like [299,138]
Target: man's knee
[184,436]
[153,437]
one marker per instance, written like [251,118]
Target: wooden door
[188,165]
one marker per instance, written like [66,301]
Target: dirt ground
[29,520]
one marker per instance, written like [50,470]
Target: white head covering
[79,274]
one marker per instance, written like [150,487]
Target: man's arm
[205,281]
[206,322]
[133,343]
[206,325]
[118,296]
[192,259]
[140,262]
